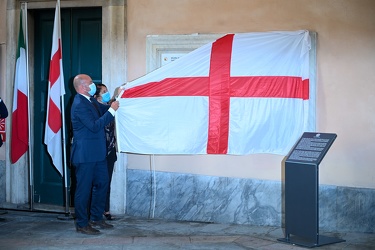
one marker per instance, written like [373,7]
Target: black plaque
[302,191]
[311,148]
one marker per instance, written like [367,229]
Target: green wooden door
[81,31]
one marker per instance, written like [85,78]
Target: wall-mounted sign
[170,57]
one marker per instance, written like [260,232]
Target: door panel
[87,43]
[80,30]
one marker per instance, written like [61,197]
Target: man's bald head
[81,84]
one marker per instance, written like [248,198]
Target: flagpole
[64,138]
[31,170]
[64,157]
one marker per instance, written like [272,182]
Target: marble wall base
[2,181]
[188,197]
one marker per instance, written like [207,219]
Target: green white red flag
[20,131]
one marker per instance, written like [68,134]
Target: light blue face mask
[106,97]
[92,87]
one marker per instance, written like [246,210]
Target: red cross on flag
[56,89]
[242,94]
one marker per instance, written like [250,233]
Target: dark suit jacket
[89,141]
[3,114]
[3,110]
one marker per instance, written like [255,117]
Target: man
[88,155]
[3,114]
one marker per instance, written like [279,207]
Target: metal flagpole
[64,157]
[67,213]
[31,170]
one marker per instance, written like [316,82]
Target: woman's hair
[99,87]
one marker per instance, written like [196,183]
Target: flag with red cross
[241,94]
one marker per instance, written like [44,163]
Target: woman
[103,96]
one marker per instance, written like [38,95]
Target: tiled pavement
[41,230]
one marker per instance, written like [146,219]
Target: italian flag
[20,132]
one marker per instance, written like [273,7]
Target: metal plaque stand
[302,191]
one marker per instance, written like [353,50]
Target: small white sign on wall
[170,57]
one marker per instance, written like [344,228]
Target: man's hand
[115,105]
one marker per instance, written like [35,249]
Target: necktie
[93,101]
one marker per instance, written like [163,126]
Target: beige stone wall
[345,76]
[345,72]
[3,4]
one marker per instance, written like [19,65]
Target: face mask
[92,87]
[106,97]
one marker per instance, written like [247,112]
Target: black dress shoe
[109,216]
[87,230]
[100,224]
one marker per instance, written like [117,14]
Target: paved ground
[39,230]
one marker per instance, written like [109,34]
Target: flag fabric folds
[20,130]
[242,94]
[53,129]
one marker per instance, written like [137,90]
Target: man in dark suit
[88,155]
[3,114]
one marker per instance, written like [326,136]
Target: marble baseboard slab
[2,182]
[188,197]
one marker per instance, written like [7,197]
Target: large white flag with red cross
[242,94]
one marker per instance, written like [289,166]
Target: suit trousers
[92,184]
